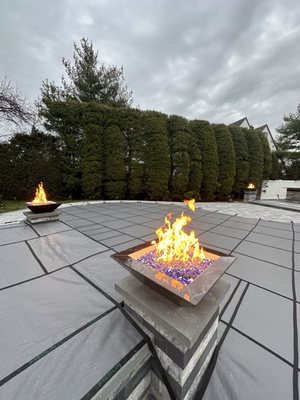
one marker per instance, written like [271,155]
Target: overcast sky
[218,60]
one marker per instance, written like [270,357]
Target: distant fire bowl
[42,207]
[175,290]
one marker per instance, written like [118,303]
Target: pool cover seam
[125,220]
[134,215]
[54,347]
[242,240]
[36,257]
[210,369]
[212,212]
[289,363]
[34,230]
[99,242]
[230,298]
[295,326]
[261,287]
[91,393]
[139,329]
[51,272]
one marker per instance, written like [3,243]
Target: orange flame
[251,186]
[40,195]
[174,244]
[190,203]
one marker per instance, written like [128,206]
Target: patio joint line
[36,257]
[53,347]
[93,391]
[295,325]
[209,371]
[260,345]
[151,347]
[99,242]
[51,272]
[242,240]
[261,287]
[230,298]
[267,261]
[220,223]
[34,230]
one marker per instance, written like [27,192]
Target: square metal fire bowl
[184,295]
[42,208]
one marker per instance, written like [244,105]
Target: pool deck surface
[62,332]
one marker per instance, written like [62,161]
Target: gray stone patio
[63,336]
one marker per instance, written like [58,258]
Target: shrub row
[98,152]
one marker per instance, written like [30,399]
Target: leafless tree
[13,107]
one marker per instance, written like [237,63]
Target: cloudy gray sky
[218,60]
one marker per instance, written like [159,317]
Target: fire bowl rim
[187,295]
[42,208]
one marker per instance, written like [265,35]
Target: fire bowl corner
[176,291]
[43,207]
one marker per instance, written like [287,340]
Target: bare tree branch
[13,107]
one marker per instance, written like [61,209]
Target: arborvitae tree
[209,153]
[241,159]
[66,119]
[179,140]
[92,162]
[267,155]
[226,156]
[31,158]
[195,176]
[88,81]
[114,155]
[256,157]
[157,158]
[6,177]
[130,124]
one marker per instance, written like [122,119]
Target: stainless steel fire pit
[182,294]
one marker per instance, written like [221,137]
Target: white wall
[245,124]
[268,136]
[273,189]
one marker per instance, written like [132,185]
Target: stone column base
[32,218]
[184,337]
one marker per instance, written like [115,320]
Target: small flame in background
[40,195]
[190,203]
[176,245]
[251,186]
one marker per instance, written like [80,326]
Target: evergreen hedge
[95,151]
[206,141]
[256,157]
[114,163]
[157,157]
[226,156]
[241,160]
[179,140]
[267,169]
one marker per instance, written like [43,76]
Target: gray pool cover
[63,334]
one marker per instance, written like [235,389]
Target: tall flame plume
[40,195]
[174,244]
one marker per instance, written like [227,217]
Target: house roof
[262,127]
[240,121]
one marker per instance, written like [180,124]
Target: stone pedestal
[249,195]
[184,337]
[32,218]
